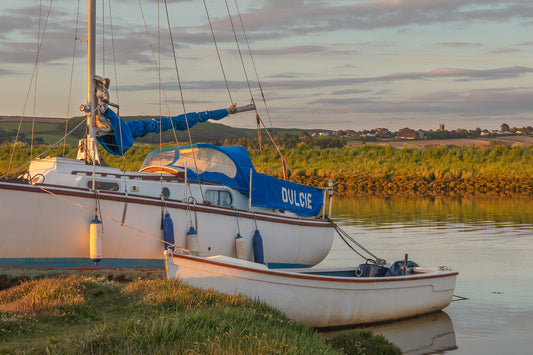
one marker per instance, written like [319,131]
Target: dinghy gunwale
[420,274]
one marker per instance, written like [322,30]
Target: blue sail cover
[231,166]
[124,133]
[268,191]
[121,139]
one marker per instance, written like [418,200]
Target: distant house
[369,134]
[407,133]
[351,133]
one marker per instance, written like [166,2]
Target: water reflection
[428,334]
[488,241]
[471,212]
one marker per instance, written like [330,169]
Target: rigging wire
[71,78]
[113,50]
[182,96]
[33,77]
[43,153]
[253,64]
[163,202]
[157,67]
[218,52]
[114,53]
[240,53]
[260,143]
[107,217]
[116,79]
[283,161]
[35,82]
[258,117]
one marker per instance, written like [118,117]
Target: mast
[87,149]
[91,90]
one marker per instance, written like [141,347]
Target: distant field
[52,129]
[30,119]
[461,142]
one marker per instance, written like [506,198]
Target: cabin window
[165,192]
[103,185]
[219,197]
[159,159]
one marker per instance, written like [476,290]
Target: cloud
[279,19]
[288,75]
[492,102]
[294,81]
[350,92]
[504,50]
[299,16]
[459,44]
[292,50]
[6,72]
[488,74]
[452,73]
[270,20]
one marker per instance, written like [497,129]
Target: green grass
[81,314]
[367,170]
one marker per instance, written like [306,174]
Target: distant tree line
[288,141]
[384,133]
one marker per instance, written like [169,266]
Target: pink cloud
[504,50]
[459,44]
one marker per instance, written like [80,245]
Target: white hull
[318,300]
[48,226]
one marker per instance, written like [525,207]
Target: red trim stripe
[321,278]
[152,201]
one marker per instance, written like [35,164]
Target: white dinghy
[320,298]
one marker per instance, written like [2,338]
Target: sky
[332,64]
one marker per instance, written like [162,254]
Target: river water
[488,241]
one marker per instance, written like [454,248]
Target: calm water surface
[488,241]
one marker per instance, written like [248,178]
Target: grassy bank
[500,170]
[435,171]
[81,314]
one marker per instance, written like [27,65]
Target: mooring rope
[345,237]
[460,298]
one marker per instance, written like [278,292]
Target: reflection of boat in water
[429,334]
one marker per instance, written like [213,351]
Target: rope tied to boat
[347,238]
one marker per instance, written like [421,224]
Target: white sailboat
[78,213]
